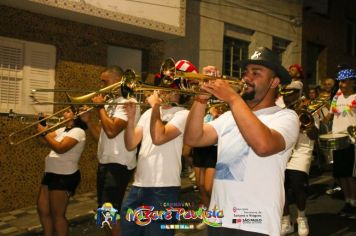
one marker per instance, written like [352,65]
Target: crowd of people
[249,159]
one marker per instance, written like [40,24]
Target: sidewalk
[25,221]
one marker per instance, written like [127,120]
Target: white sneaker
[287,227]
[201,226]
[303,227]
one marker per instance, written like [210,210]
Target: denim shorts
[149,196]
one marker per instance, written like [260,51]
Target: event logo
[144,215]
[106,214]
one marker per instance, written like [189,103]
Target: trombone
[15,137]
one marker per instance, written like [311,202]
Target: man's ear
[275,82]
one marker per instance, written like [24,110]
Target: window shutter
[11,74]
[39,73]
[25,66]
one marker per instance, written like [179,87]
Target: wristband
[202,100]
[99,106]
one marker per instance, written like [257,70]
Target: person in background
[255,139]
[343,113]
[312,96]
[204,161]
[116,163]
[62,175]
[328,89]
[297,75]
[294,89]
[296,174]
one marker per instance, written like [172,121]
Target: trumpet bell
[190,81]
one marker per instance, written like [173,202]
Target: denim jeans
[148,196]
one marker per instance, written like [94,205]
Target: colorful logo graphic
[106,214]
[144,215]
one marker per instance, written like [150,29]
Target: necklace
[346,108]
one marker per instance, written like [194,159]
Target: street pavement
[321,211]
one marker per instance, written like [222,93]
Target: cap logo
[256,55]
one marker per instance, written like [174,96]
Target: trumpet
[306,115]
[190,80]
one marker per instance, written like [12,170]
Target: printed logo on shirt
[246,216]
[236,221]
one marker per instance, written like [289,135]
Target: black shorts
[111,183]
[205,157]
[295,180]
[67,183]
[343,162]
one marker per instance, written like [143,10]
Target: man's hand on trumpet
[221,89]
[130,108]
[154,99]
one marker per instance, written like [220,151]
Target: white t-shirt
[247,187]
[303,151]
[113,150]
[302,154]
[160,166]
[296,84]
[344,116]
[66,163]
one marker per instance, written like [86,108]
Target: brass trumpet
[190,81]
[306,115]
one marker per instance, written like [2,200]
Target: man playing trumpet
[255,140]
[157,177]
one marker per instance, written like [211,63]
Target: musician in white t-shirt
[116,163]
[343,113]
[62,175]
[255,140]
[157,177]
[297,172]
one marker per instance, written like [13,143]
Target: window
[320,7]
[234,50]
[25,66]
[279,46]
[126,58]
[351,38]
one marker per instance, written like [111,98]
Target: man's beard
[248,96]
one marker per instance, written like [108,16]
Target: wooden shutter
[11,74]
[39,73]
[25,66]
